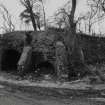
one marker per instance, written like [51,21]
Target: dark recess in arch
[46,68]
[40,65]
[10,58]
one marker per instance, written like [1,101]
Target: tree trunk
[71,35]
[74,51]
[44,16]
[72,39]
[33,20]
[90,26]
[32,15]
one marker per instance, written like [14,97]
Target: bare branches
[44,14]
[8,26]
[32,12]
[99,6]
[61,18]
[28,13]
[97,11]
[66,14]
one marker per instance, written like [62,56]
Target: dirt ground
[11,96]
[18,92]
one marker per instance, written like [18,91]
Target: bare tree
[71,39]
[61,18]
[8,25]
[91,18]
[71,34]
[99,4]
[98,8]
[33,13]
[28,12]
[43,8]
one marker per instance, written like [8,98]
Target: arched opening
[40,66]
[37,57]
[45,68]
[10,58]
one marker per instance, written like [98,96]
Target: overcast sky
[15,8]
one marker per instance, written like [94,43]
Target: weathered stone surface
[25,58]
[44,42]
[61,59]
